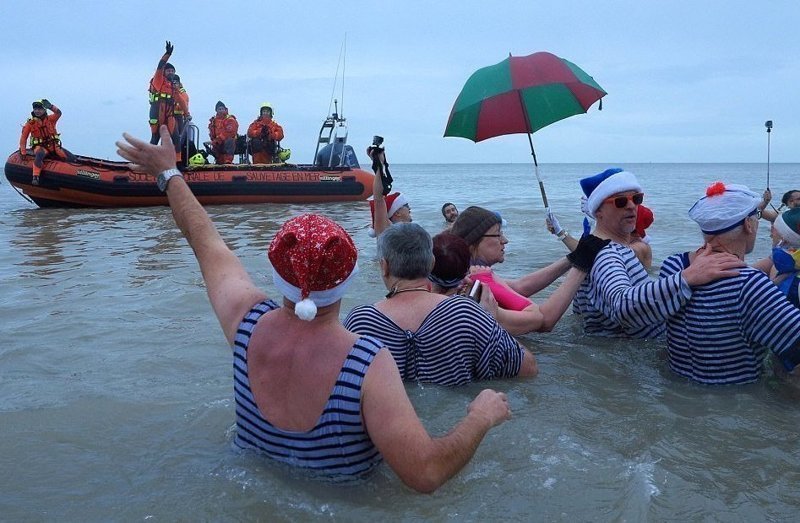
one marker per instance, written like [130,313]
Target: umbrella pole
[536,171]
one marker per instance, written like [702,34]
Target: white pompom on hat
[724,207]
[605,184]
[393,201]
[313,260]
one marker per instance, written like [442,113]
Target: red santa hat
[313,261]
[393,201]
[644,219]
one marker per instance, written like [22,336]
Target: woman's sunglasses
[621,201]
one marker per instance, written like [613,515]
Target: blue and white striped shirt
[338,447]
[619,299]
[722,333]
[457,343]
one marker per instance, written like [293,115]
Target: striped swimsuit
[723,333]
[338,447]
[457,343]
[619,299]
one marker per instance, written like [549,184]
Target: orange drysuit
[264,133]
[44,138]
[222,131]
[162,102]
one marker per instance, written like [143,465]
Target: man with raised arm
[310,393]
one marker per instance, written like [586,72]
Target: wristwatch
[164,177]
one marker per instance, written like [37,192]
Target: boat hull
[91,182]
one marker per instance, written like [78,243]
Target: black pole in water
[768,125]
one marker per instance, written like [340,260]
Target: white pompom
[371,232]
[306,310]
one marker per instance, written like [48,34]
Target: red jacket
[160,87]
[41,130]
[222,128]
[275,131]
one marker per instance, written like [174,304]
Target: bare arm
[422,462]
[229,287]
[381,212]
[532,283]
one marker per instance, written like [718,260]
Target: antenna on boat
[333,133]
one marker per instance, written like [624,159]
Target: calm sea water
[116,382]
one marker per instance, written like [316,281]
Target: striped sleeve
[627,296]
[770,320]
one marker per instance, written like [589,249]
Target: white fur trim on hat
[398,202]
[317,298]
[785,231]
[616,183]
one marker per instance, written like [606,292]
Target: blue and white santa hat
[605,184]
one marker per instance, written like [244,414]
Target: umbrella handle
[541,185]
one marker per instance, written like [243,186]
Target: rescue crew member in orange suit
[265,135]
[45,139]
[162,100]
[181,111]
[222,129]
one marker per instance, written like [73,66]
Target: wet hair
[787,195]
[445,206]
[452,257]
[407,249]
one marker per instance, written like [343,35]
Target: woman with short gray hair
[434,338]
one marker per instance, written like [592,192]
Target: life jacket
[161,87]
[222,128]
[181,102]
[43,131]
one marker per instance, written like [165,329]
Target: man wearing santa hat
[618,298]
[721,335]
[309,393]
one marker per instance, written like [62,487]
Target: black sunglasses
[621,201]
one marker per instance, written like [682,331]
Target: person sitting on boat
[44,138]
[265,135]
[163,97]
[222,129]
[450,213]
[482,230]
[618,298]
[385,209]
[309,393]
[722,333]
[434,338]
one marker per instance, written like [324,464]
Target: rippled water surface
[116,383]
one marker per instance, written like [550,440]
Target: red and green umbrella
[521,94]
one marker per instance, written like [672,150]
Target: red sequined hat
[312,257]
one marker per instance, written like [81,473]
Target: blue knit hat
[607,183]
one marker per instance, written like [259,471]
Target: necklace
[395,291]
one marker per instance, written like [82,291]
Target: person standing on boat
[618,298]
[162,98]
[222,129]
[265,135]
[723,332]
[44,138]
[181,112]
[309,393]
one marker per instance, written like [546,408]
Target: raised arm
[422,462]
[230,289]
[381,215]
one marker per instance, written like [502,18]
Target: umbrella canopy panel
[521,94]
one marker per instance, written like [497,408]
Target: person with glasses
[618,298]
[482,230]
[722,333]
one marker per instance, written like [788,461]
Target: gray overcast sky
[687,81]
